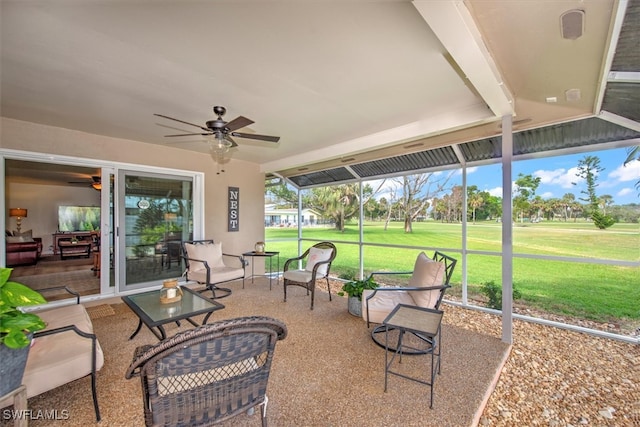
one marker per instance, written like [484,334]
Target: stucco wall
[30,137]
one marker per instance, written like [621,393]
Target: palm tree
[633,153]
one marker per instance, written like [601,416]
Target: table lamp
[19,213]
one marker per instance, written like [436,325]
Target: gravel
[557,377]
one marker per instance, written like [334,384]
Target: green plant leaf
[19,295]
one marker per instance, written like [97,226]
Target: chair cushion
[317,255]
[382,303]
[426,273]
[60,358]
[300,276]
[218,275]
[210,252]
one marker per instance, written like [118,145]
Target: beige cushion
[426,273]
[217,275]
[317,255]
[210,252]
[60,358]
[382,303]
[299,276]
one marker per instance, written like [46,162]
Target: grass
[598,292]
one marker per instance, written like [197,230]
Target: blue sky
[557,174]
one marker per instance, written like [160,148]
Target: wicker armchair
[209,374]
[319,258]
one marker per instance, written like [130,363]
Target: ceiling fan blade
[190,134]
[182,121]
[256,136]
[238,122]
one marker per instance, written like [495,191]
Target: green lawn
[591,291]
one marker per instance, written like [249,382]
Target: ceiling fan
[96,182]
[222,130]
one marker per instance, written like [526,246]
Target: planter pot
[12,367]
[354,306]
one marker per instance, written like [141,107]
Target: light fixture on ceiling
[572,24]
[97,186]
[219,145]
[18,213]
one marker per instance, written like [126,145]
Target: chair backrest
[185,255]
[449,265]
[325,245]
[208,374]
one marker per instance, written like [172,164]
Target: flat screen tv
[78,218]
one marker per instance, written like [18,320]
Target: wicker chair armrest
[145,353]
[290,260]
[60,288]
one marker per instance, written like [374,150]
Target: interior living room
[173,108]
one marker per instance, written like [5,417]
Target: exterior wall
[30,137]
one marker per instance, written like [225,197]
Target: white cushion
[217,275]
[426,273]
[60,358]
[299,276]
[317,255]
[209,252]
[382,303]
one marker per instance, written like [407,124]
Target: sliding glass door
[155,216]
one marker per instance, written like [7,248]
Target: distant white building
[274,217]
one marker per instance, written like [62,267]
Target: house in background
[280,217]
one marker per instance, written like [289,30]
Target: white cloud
[630,172]
[546,195]
[624,192]
[496,192]
[559,177]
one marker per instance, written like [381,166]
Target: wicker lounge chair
[209,374]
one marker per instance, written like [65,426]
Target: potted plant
[16,329]
[354,289]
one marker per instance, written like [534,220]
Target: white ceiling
[331,78]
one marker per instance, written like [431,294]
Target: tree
[283,196]
[588,169]
[475,200]
[633,154]
[340,203]
[417,191]
[526,186]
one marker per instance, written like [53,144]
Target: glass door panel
[155,216]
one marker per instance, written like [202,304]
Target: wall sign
[234,209]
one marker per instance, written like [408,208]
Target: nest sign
[234,209]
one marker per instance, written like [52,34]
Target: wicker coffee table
[155,315]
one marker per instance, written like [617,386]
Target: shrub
[493,292]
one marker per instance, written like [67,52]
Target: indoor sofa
[23,251]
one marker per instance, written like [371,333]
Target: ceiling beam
[453,25]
